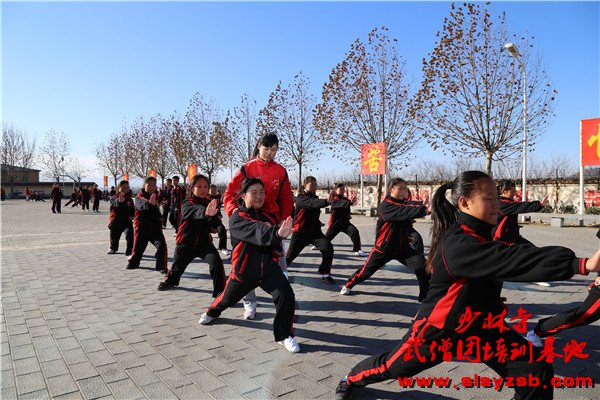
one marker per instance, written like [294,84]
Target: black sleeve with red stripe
[310,202]
[519,207]
[466,255]
[193,211]
[396,212]
[340,203]
[246,229]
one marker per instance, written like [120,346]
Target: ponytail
[443,214]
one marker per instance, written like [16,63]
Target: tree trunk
[299,176]
[379,187]
[115,177]
[488,163]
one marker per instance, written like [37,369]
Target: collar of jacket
[250,211]
[264,163]
[480,227]
[506,199]
[309,194]
[395,200]
[196,200]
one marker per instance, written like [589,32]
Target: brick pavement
[75,324]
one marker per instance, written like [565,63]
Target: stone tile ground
[76,325]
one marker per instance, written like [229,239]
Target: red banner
[105,181]
[153,173]
[372,159]
[192,170]
[126,177]
[590,141]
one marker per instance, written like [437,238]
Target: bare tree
[471,99]
[242,125]
[290,110]
[76,171]
[211,140]
[110,156]
[139,141]
[366,101]
[159,152]
[55,153]
[180,145]
[17,150]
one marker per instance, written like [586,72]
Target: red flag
[192,170]
[153,173]
[372,159]
[105,181]
[126,177]
[590,141]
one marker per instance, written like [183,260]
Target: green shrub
[593,210]
[567,209]
[547,209]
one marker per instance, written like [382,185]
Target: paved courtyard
[76,324]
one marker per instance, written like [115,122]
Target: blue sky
[84,68]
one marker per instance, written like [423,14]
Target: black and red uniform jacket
[85,195]
[307,212]
[507,227]
[166,194]
[112,193]
[468,264]
[177,197]
[395,219]
[147,218]
[56,193]
[121,213]
[340,212]
[256,245]
[195,226]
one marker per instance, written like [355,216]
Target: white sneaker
[225,252]
[535,339]
[544,284]
[290,345]
[313,248]
[249,311]
[360,253]
[110,251]
[345,291]
[205,319]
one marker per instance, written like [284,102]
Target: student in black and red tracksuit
[177,196]
[307,227]
[194,239]
[56,195]
[507,227]
[221,231]
[254,263]
[74,198]
[86,196]
[167,193]
[339,221]
[147,227]
[122,211]
[466,265]
[392,239]
[97,194]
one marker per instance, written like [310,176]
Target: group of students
[475,246]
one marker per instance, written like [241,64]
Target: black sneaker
[164,286]
[328,279]
[130,266]
[343,391]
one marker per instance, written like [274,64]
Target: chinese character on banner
[153,173]
[105,181]
[372,159]
[126,177]
[590,141]
[192,170]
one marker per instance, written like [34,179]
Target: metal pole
[362,191]
[524,197]
[581,175]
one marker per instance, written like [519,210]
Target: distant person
[339,221]
[56,195]
[177,196]
[97,194]
[86,196]
[167,193]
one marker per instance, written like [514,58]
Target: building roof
[20,169]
